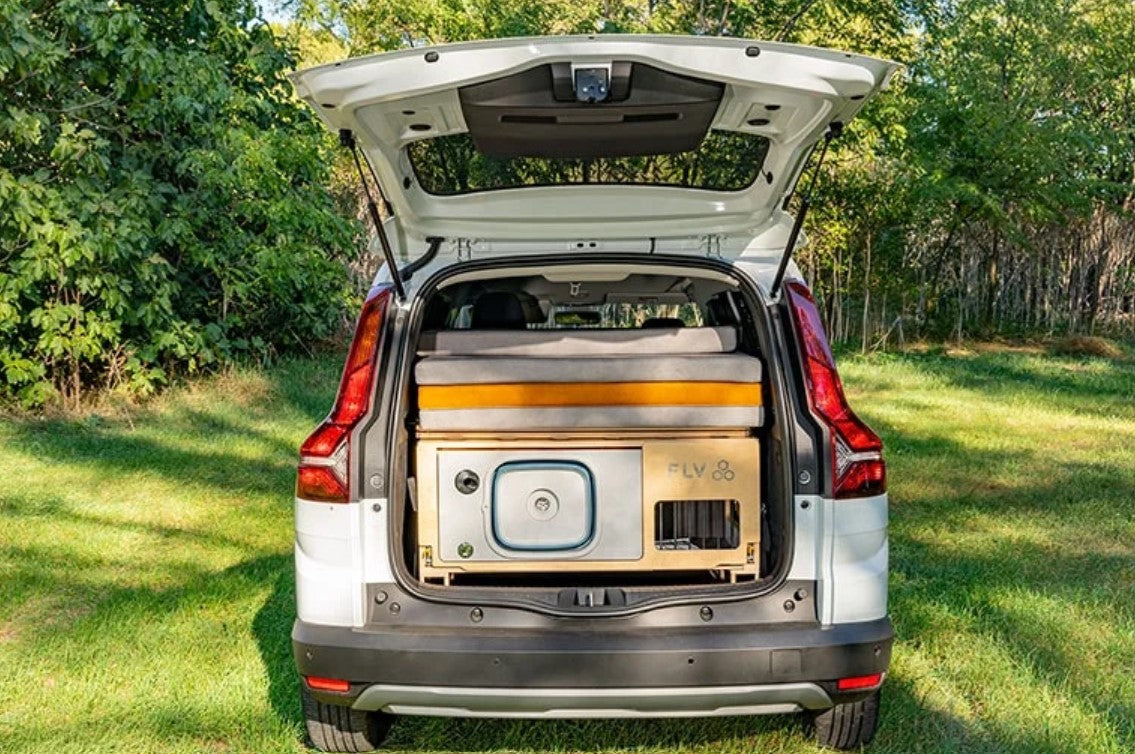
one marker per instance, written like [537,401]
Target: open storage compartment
[549,443]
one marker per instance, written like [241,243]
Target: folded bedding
[533,380]
[454,370]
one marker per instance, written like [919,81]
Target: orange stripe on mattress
[565,394]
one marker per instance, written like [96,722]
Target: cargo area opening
[590,426]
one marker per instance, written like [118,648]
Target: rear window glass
[602,317]
[724,161]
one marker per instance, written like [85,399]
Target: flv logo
[721,471]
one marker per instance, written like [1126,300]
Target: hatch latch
[592,597]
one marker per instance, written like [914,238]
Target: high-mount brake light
[858,469]
[322,474]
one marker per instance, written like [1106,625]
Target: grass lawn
[146,586]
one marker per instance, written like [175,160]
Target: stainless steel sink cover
[540,503]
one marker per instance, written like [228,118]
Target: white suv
[590,456]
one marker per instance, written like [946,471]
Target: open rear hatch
[614,137]
[550,453]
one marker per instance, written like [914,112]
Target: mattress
[533,379]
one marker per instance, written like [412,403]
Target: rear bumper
[471,672]
[682,701]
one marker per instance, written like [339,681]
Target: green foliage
[161,201]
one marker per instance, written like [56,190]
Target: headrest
[437,313]
[721,311]
[655,323]
[498,310]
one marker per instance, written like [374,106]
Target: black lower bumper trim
[485,658]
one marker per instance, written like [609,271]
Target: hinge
[711,245]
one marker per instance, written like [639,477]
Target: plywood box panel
[631,474]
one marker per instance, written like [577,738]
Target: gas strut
[347,140]
[834,130]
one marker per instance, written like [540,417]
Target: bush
[161,200]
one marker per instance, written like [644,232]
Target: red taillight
[320,483]
[858,469]
[324,454]
[859,682]
[337,685]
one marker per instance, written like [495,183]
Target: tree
[161,196]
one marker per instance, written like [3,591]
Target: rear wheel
[846,726]
[334,727]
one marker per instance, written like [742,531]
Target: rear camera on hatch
[592,84]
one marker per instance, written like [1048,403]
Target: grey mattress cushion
[590,417]
[472,370]
[578,342]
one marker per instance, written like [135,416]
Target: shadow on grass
[1020,591]
[102,449]
[272,628]
[59,510]
[109,626]
[1028,599]
[228,457]
[909,724]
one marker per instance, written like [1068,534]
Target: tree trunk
[866,293]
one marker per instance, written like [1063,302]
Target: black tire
[846,726]
[334,727]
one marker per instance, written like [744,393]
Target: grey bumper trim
[586,654]
[698,701]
